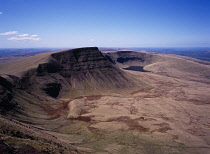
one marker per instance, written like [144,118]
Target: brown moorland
[83,101]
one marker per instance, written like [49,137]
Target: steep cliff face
[80,72]
[71,73]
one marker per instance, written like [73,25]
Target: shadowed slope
[67,73]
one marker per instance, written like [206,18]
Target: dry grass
[175,110]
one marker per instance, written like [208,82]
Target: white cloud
[20,37]
[1,12]
[23,35]
[34,35]
[92,40]
[24,38]
[9,33]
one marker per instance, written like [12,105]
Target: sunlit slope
[168,65]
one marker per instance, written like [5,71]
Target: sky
[104,23]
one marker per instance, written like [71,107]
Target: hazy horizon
[104,23]
[169,47]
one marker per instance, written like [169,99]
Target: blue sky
[104,23]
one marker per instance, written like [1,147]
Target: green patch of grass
[76,127]
[125,141]
[21,143]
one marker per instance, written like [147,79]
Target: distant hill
[202,53]
[9,54]
[26,51]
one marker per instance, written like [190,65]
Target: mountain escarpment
[81,71]
[67,73]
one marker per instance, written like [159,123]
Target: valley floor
[171,117]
